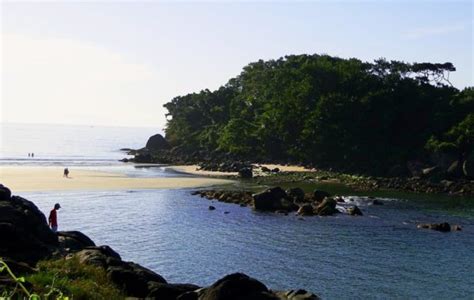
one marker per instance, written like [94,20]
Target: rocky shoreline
[25,240]
[454,178]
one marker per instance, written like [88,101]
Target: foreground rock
[239,286]
[73,241]
[24,233]
[132,278]
[25,239]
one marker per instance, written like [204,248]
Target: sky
[116,63]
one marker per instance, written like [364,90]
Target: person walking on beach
[66,173]
[53,218]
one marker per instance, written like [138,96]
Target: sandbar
[194,169]
[32,179]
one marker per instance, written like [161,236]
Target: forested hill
[330,112]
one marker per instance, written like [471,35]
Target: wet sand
[30,179]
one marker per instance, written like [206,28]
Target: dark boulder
[273,199]
[74,240]
[397,171]
[320,195]
[377,202]
[18,267]
[157,142]
[429,172]
[98,256]
[444,159]
[236,286]
[415,168]
[24,233]
[246,172]
[5,193]
[455,170]
[354,211]
[296,193]
[327,207]
[143,157]
[468,166]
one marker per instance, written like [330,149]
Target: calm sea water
[68,145]
[378,256]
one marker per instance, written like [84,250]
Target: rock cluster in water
[278,200]
[25,239]
[318,203]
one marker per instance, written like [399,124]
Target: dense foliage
[328,112]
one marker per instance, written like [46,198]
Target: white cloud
[69,81]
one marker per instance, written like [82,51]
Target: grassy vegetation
[71,278]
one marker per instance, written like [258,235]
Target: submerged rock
[306,210]
[297,295]
[443,227]
[354,211]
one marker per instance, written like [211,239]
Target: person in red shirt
[53,218]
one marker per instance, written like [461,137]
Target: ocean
[381,255]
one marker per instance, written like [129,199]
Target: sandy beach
[194,169]
[29,179]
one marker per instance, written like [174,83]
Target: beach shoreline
[36,179]
[195,170]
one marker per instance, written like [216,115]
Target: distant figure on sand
[32,155]
[66,173]
[53,218]
[29,154]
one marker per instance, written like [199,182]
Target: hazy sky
[116,63]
